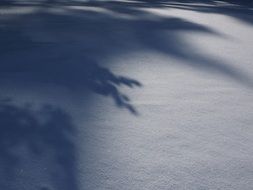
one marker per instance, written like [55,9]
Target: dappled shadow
[62,43]
[37,146]
[239,9]
[70,44]
[74,76]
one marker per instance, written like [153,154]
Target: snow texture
[130,95]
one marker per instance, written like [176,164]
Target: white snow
[192,127]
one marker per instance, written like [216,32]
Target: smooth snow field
[126,95]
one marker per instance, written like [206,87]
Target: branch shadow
[66,46]
[86,76]
[88,30]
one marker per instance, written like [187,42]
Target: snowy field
[126,95]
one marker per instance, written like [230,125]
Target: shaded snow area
[126,95]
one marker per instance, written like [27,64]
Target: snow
[126,95]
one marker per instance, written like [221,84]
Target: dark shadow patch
[36,145]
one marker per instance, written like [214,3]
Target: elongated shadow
[93,29]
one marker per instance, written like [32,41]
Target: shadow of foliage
[36,145]
[64,43]
[86,76]
[74,34]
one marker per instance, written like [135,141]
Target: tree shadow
[85,76]
[240,10]
[67,46]
[36,145]
[90,31]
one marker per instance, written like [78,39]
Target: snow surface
[126,95]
